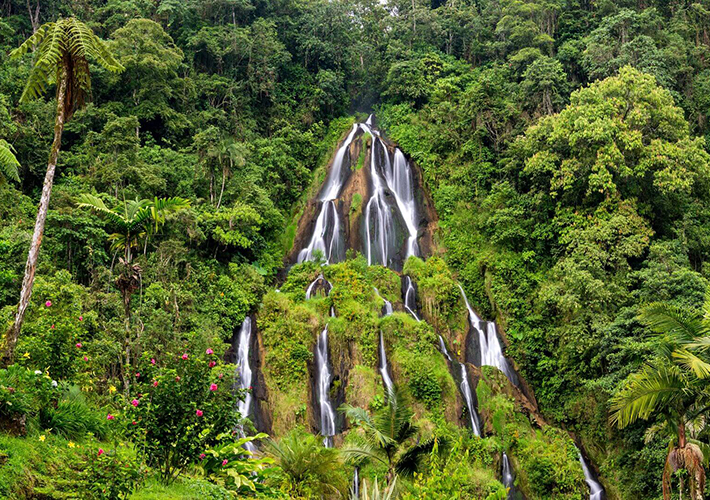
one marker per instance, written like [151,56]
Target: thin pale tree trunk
[32,256]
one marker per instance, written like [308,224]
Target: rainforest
[354,249]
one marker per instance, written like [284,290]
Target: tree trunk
[31,267]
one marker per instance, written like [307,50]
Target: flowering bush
[176,410]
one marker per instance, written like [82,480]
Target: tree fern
[64,45]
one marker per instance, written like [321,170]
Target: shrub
[22,394]
[175,412]
[109,476]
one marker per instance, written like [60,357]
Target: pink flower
[86,359]
[224,462]
[212,363]
[110,417]
[48,303]
[155,383]
[52,327]
[79,345]
[209,351]
[101,451]
[81,318]
[134,403]
[221,375]
[213,387]
[202,456]
[177,379]
[184,356]
[152,361]
[198,413]
[134,422]
[138,374]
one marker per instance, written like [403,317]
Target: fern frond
[33,41]
[8,162]
[681,324]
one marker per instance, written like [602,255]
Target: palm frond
[358,454]
[8,163]
[680,323]
[96,204]
[692,362]
[645,391]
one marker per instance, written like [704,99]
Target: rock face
[373,202]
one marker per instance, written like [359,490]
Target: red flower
[101,451]
[79,345]
[81,318]
[212,363]
[184,356]
[48,303]
[135,403]
[155,383]
[224,462]
[209,351]
[213,387]
[152,361]
[202,456]
[198,413]
[110,417]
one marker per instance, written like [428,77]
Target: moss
[366,141]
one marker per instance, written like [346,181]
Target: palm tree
[62,51]
[138,220]
[674,386]
[387,437]
[308,467]
[8,162]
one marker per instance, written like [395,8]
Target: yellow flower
[112,389]
[26,355]
[71,444]
[42,438]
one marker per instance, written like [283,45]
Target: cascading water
[596,491]
[399,180]
[379,221]
[387,308]
[508,479]
[384,369]
[327,235]
[244,375]
[327,415]
[355,488]
[465,389]
[491,351]
[410,298]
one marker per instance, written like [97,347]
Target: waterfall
[327,415]
[508,479]
[465,389]
[355,488]
[323,282]
[596,491]
[244,375]
[410,298]
[491,350]
[379,222]
[327,234]
[399,180]
[387,308]
[384,370]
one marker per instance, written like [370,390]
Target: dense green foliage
[564,145]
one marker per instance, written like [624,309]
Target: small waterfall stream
[507,477]
[465,389]
[400,181]
[244,375]
[596,491]
[325,378]
[379,219]
[410,298]
[384,369]
[491,350]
